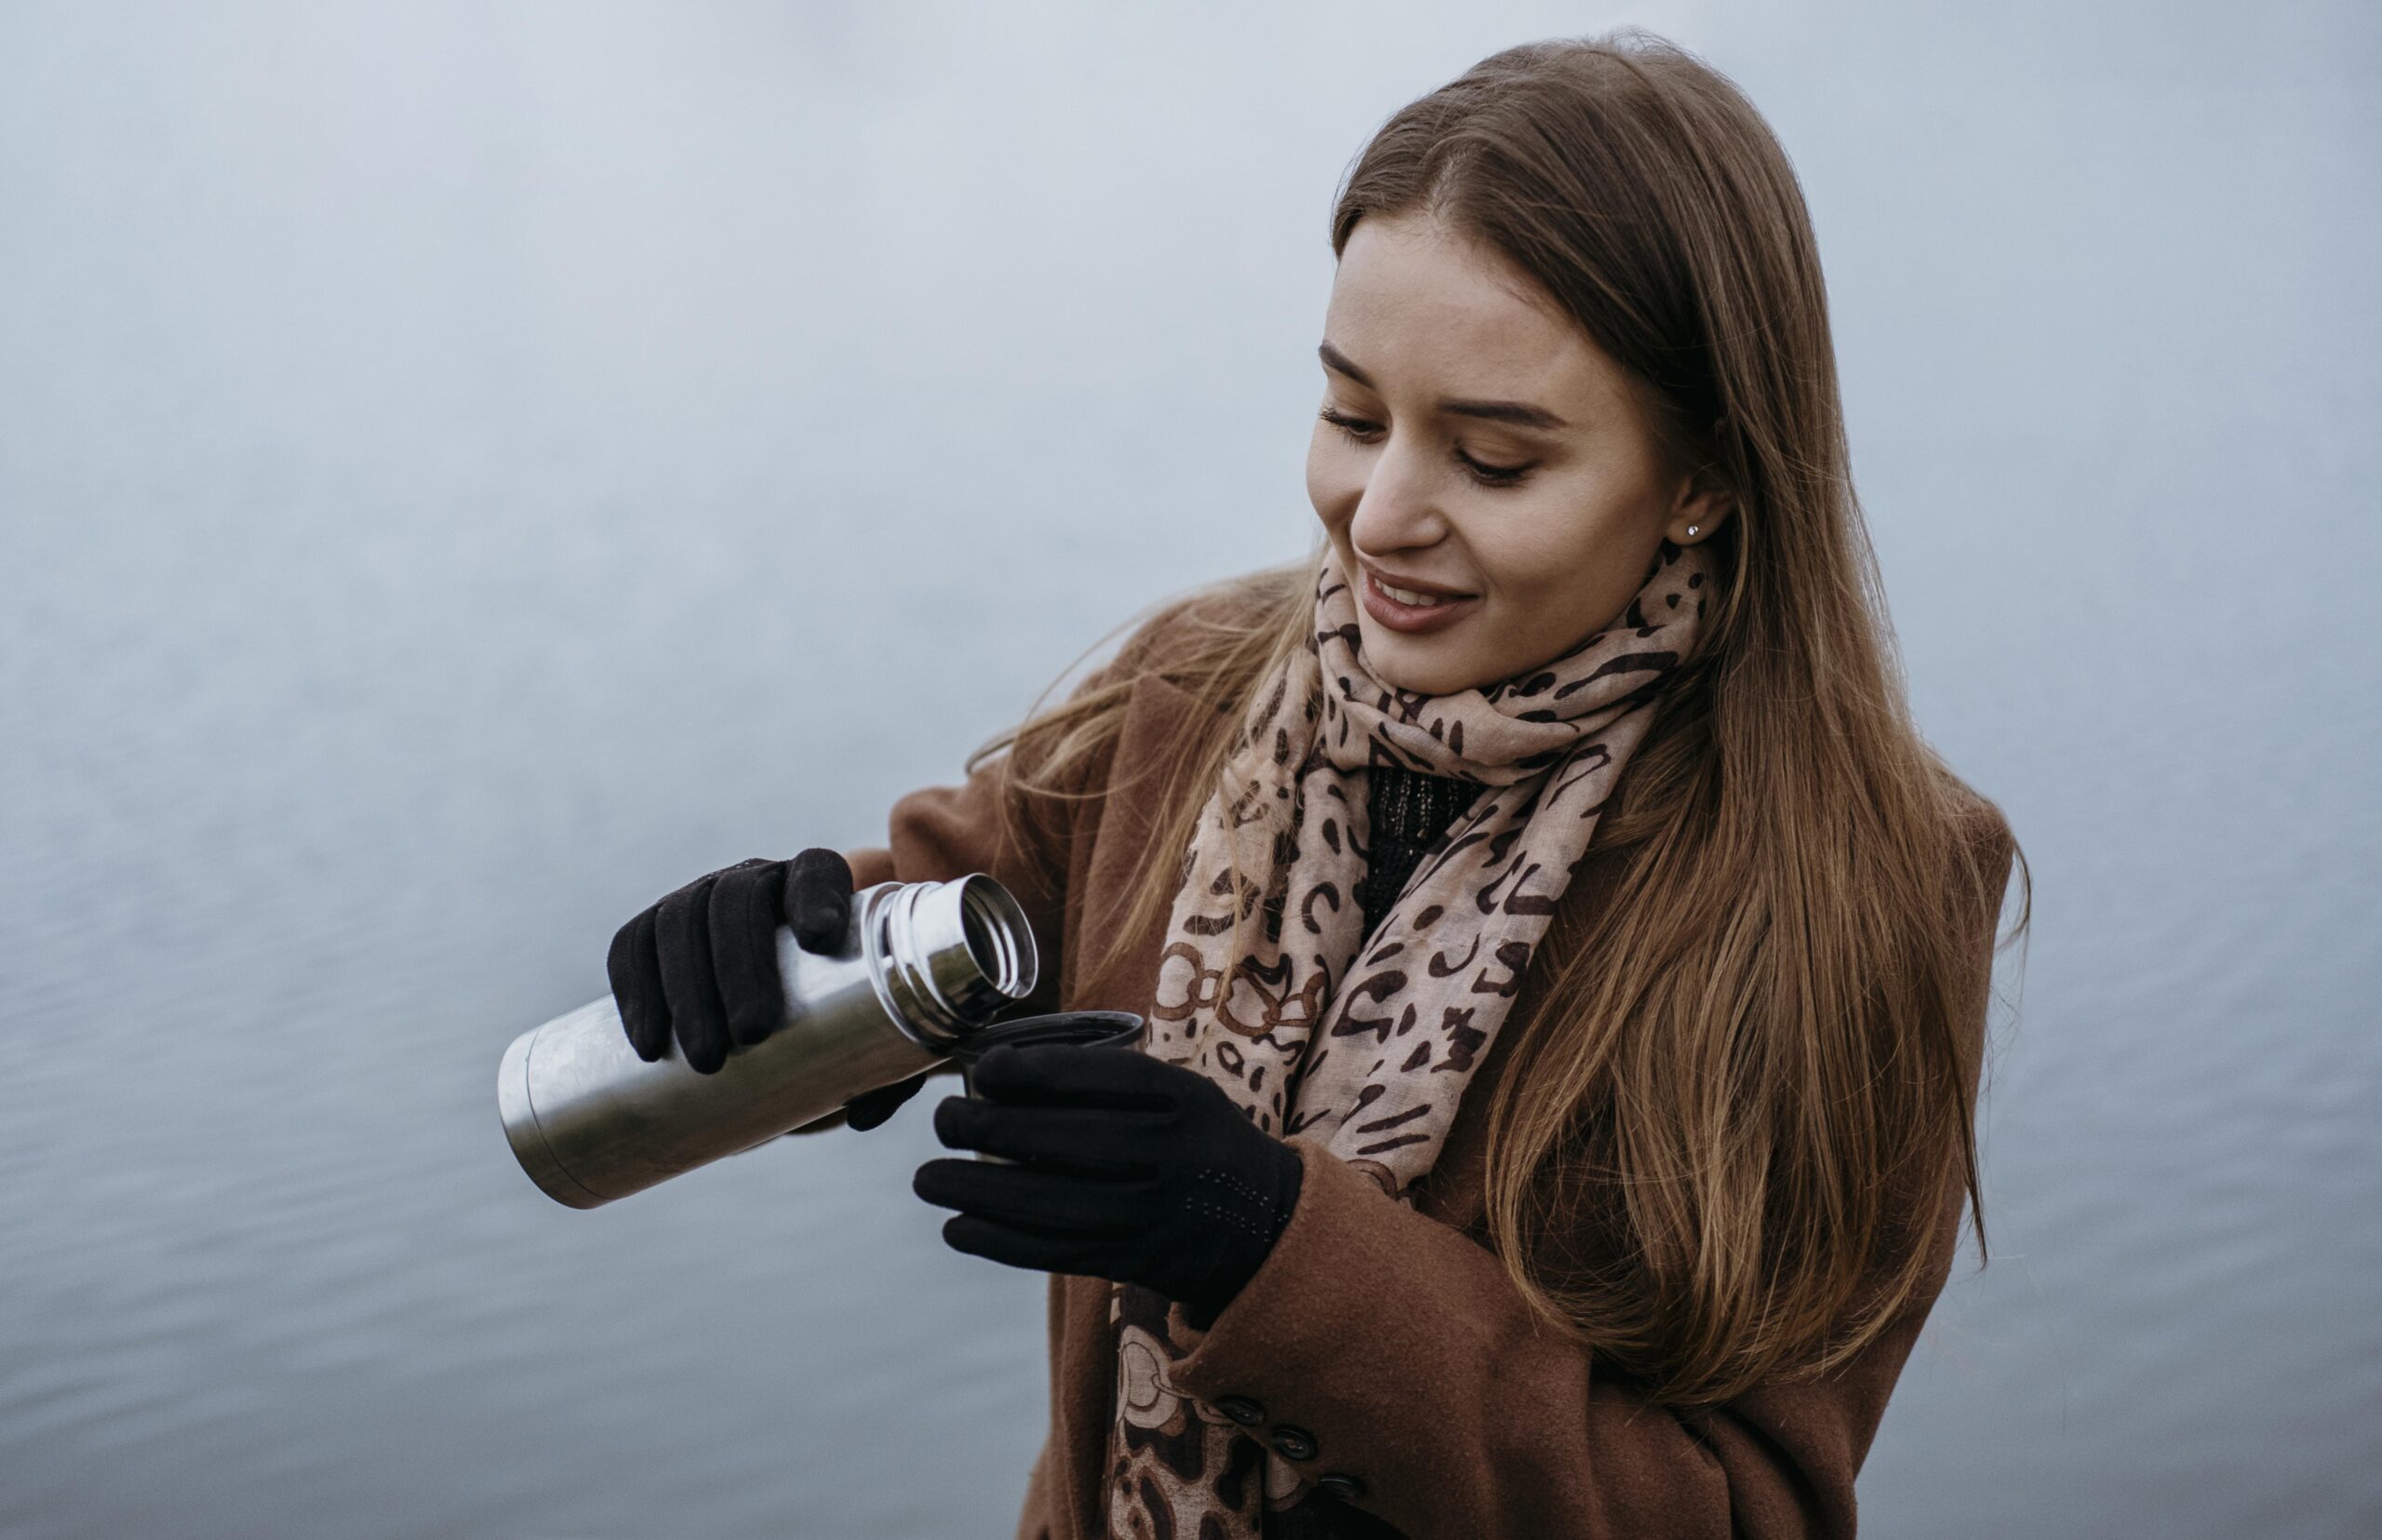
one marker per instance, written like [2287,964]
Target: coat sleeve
[1396,1347]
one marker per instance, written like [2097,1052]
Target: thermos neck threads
[947,955]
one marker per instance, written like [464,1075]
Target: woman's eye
[1355,427]
[1494,476]
[1363,432]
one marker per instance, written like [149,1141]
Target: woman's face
[1474,443]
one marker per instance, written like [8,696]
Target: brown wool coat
[1391,1334]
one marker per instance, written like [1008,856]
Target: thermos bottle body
[923,966]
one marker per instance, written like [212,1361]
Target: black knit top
[1410,811]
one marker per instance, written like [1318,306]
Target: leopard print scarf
[1367,1055]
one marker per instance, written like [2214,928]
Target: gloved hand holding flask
[702,963]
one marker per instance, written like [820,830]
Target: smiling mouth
[1419,600]
[1414,598]
[1409,611]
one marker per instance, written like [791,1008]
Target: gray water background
[466,469]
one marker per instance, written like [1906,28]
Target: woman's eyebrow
[1335,359]
[1519,413]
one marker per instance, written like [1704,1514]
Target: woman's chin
[1421,665]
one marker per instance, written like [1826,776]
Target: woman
[1567,967]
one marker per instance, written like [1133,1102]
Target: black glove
[1129,1167]
[703,963]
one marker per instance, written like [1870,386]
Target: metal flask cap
[922,967]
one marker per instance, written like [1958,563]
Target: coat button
[1339,1484]
[1293,1444]
[1240,1409]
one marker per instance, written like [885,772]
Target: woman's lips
[1411,617]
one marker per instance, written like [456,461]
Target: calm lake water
[465,470]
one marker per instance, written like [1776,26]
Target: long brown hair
[1759,1061]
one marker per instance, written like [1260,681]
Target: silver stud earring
[1693,530]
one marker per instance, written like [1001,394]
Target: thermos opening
[952,955]
[991,922]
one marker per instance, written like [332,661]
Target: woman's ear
[1702,506]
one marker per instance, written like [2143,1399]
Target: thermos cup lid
[1084,1028]
[1080,1028]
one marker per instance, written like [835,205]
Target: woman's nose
[1399,508]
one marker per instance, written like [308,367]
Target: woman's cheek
[1522,559]
[1560,539]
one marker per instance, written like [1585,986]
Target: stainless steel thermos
[923,966]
